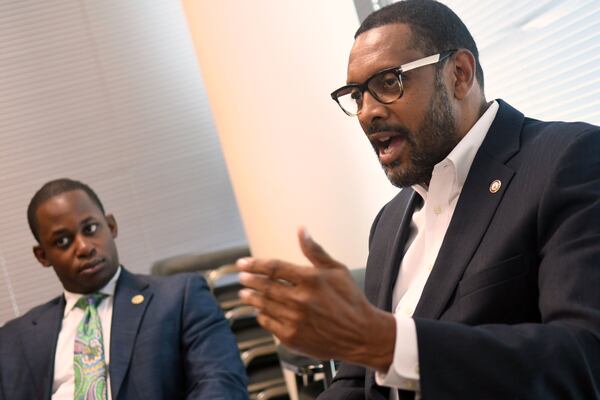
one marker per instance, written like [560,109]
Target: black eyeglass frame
[398,71]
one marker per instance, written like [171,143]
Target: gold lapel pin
[495,186]
[137,299]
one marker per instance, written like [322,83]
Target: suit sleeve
[348,384]
[212,362]
[559,357]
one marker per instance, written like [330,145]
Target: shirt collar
[464,152]
[108,289]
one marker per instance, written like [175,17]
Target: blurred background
[205,125]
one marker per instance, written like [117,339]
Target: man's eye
[389,81]
[63,241]
[356,95]
[91,228]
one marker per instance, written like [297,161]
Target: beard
[430,144]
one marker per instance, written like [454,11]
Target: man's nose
[372,109]
[84,246]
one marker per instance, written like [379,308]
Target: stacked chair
[313,375]
[258,350]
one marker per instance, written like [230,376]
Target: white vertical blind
[542,56]
[107,92]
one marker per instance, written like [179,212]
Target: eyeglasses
[385,86]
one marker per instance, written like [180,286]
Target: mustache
[376,127]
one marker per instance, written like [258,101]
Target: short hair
[51,189]
[435,27]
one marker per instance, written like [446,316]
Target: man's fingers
[271,324]
[267,306]
[273,289]
[313,251]
[274,269]
[264,307]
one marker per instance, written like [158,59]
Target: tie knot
[93,300]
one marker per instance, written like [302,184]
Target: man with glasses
[483,273]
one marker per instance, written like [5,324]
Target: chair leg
[277,392]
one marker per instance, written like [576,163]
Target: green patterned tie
[88,359]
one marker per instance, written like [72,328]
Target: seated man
[112,334]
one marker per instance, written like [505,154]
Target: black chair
[200,262]
[313,375]
[248,332]
[225,285]
[257,346]
[258,352]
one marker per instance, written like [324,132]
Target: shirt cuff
[404,370]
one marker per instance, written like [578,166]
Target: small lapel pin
[495,186]
[137,299]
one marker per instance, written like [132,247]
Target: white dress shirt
[428,228]
[63,386]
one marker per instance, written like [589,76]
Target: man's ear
[112,225]
[464,73]
[40,254]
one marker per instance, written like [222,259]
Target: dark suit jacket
[174,345]
[511,309]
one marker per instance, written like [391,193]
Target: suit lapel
[128,312]
[39,346]
[391,268]
[474,211]
[408,200]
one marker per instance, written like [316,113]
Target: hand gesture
[318,309]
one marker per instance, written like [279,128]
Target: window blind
[541,56]
[107,92]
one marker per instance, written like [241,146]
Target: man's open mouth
[389,146]
[383,144]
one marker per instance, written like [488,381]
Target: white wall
[107,92]
[294,158]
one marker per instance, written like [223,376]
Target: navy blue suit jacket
[174,345]
[511,309]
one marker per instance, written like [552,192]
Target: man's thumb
[313,251]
